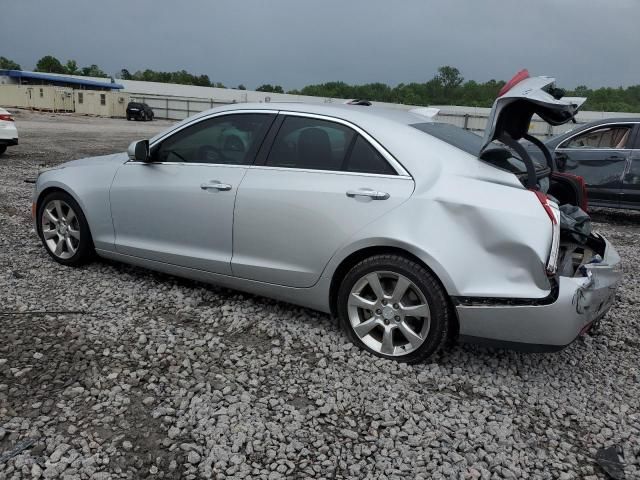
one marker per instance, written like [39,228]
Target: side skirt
[316,297]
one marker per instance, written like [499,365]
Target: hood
[101,160]
[520,99]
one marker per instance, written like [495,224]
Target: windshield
[496,154]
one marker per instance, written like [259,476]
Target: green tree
[267,87]
[50,64]
[93,71]
[72,67]
[125,75]
[6,64]
[241,87]
[449,77]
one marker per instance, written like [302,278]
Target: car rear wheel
[3,148]
[64,230]
[394,308]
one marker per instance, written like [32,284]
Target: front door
[321,182]
[600,156]
[178,208]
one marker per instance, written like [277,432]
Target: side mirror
[138,151]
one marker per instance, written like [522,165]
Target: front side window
[615,137]
[228,139]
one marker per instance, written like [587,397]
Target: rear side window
[310,143]
[316,144]
[366,159]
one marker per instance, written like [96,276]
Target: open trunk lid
[519,100]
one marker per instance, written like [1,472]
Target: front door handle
[367,192]
[215,185]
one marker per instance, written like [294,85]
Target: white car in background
[8,131]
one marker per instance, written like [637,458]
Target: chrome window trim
[189,164]
[589,130]
[395,164]
[194,122]
[208,117]
[332,172]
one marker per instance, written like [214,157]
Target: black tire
[128,118]
[3,148]
[85,251]
[440,314]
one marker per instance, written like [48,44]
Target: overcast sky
[298,42]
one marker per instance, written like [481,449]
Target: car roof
[390,127]
[353,113]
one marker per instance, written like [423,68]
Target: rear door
[600,156]
[631,181]
[320,181]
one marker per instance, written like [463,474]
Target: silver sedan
[413,233]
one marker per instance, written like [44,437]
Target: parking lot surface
[110,371]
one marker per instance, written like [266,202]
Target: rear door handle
[215,185]
[367,192]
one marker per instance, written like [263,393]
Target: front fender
[88,184]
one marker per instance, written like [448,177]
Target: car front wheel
[394,308]
[3,148]
[64,230]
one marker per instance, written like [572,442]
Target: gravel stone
[160,376]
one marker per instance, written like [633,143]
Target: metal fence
[175,108]
[179,108]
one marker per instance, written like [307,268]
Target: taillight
[6,117]
[553,213]
[520,76]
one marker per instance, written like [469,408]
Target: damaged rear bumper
[547,325]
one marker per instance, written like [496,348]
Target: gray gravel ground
[117,372]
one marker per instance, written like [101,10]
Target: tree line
[447,87]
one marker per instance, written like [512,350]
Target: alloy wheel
[389,313]
[60,229]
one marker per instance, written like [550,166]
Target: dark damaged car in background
[606,154]
[413,233]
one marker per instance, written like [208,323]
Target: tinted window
[310,143]
[497,154]
[366,159]
[607,137]
[229,139]
[456,136]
